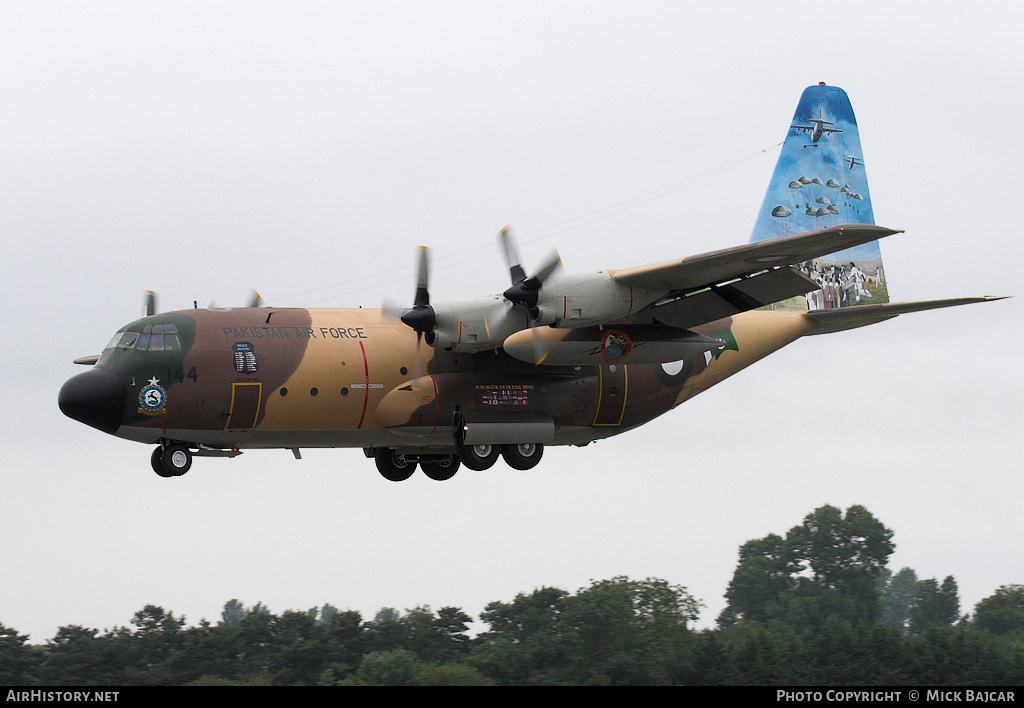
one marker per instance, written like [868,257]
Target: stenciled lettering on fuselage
[294,333]
[505,395]
[245,358]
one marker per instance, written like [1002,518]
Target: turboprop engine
[540,301]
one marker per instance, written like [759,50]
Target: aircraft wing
[723,283]
[708,269]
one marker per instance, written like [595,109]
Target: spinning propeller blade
[421,317]
[525,291]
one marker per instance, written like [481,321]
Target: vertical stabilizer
[819,181]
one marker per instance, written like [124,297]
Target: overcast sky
[306,150]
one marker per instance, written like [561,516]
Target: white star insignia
[154,381]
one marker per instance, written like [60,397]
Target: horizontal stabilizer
[829,321]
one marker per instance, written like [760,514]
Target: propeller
[520,300]
[149,304]
[421,317]
[525,289]
[255,300]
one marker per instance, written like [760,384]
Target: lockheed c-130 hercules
[556,359]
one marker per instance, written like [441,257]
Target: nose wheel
[171,461]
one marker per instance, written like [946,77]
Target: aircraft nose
[96,398]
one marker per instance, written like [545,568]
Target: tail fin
[819,181]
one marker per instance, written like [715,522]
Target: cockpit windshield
[152,338]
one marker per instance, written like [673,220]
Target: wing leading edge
[707,269]
[719,284]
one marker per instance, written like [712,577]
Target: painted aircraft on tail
[556,359]
[817,126]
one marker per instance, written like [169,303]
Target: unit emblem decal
[615,345]
[153,398]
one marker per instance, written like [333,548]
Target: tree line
[817,606]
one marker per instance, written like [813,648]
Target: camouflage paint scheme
[625,346]
[343,378]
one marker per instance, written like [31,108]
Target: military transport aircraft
[556,359]
[817,126]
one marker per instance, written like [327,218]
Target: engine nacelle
[569,301]
[590,299]
[476,325]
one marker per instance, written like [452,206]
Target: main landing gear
[396,467]
[172,460]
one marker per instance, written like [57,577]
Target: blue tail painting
[820,181]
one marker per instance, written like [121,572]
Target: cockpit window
[123,340]
[152,338]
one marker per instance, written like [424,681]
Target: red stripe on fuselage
[366,384]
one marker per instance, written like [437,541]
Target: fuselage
[293,378]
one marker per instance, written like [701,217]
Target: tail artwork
[819,182]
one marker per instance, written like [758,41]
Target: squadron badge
[153,398]
[615,345]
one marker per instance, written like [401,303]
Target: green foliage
[19,663]
[897,595]
[77,656]
[911,605]
[816,607]
[1003,611]
[234,612]
[615,632]
[934,605]
[397,667]
[824,570]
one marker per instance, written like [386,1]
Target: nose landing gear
[173,460]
